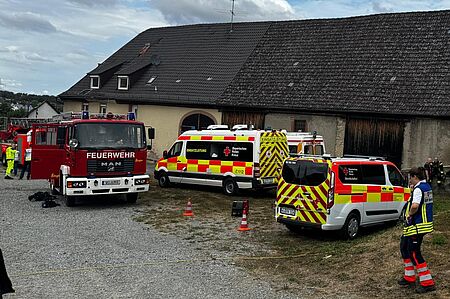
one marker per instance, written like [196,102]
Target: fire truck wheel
[69,200]
[230,187]
[163,180]
[132,197]
[4,159]
[350,229]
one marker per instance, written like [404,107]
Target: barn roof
[391,64]
[388,64]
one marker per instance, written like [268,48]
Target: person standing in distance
[418,222]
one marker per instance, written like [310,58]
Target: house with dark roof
[372,85]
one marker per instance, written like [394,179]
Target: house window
[102,108]
[299,125]
[123,83]
[85,107]
[95,82]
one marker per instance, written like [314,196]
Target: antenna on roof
[232,15]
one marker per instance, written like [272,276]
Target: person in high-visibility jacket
[418,222]
[10,151]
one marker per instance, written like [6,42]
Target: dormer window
[123,83]
[95,82]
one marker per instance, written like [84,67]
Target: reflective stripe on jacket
[422,220]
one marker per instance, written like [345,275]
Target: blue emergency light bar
[85,115]
[131,116]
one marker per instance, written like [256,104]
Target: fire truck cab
[83,155]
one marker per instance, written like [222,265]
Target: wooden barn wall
[375,137]
[232,118]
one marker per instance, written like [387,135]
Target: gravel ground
[96,250]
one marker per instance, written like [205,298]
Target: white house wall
[332,128]
[166,120]
[44,111]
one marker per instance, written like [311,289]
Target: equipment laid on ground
[244,224]
[231,159]
[84,155]
[188,210]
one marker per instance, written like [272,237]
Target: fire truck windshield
[109,136]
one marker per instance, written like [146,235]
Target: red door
[48,150]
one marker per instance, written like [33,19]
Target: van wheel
[350,229]
[4,159]
[131,197]
[69,200]
[163,180]
[230,187]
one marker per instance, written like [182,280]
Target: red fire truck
[84,155]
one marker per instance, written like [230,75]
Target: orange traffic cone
[244,225]
[188,209]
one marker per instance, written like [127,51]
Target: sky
[46,46]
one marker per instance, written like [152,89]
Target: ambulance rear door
[48,150]
[303,190]
[273,150]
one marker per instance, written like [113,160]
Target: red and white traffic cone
[188,210]
[244,224]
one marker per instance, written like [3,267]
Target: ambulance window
[175,150]
[395,177]
[304,172]
[350,174]
[293,149]
[373,174]
[198,150]
[319,150]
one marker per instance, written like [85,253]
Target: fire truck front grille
[121,165]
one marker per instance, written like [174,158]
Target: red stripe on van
[229,138]
[242,164]
[224,169]
[206,138]
[251,138]
[387,197]
[184,137]
[215,162]
[374,189]
[191,161]
[202,168]
[288,196]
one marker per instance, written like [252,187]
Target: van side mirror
[165,155]
[151,133]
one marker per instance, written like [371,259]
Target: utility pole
[232,15]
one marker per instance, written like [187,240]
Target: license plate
[268,180]
[288,211]
[111,182]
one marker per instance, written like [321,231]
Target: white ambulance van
[308,143]
[231,159]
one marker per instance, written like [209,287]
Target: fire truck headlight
[81,184]
[141,181]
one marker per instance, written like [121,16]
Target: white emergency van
[308,143]
[231,159]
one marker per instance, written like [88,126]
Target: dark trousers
[26,167]
[410,248]
[5,282]
[16,166]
